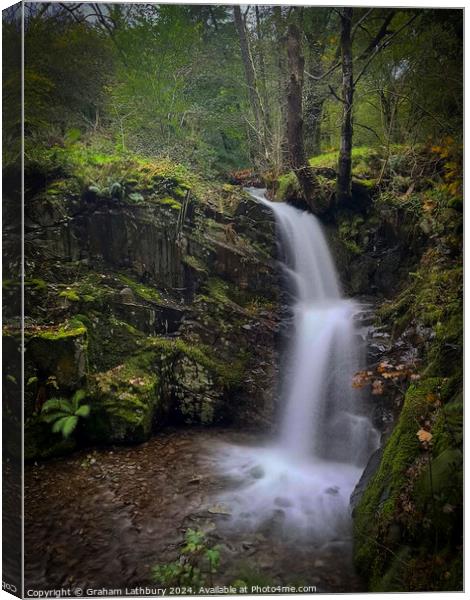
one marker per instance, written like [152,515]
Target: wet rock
[257,472]
[369,471]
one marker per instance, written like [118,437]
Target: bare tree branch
[361,20]
[382,46]
[382,32]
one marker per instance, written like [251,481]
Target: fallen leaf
[424,436]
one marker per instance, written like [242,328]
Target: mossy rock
[110,340]
[377,509]
[195,384]
[287,188]
[124,403]
[199,399]
[392,547]
[227,374]
[60,351]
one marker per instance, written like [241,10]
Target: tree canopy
[209,85]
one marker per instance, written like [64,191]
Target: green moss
[181,190]
[378,506]
[361,155]
[287,187]
[63,187]
[37,284]
[78,166]
[367,183]
[125,401]
[143,291]
[110,340]
[417,490]
[170,202]
[350,233]
[218,290]
[90,288]
[195,263]
[71,329]
[229,374]
[433,299]
[70,295]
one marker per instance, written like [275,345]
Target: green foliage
[86,78]
[63,414]
[70,295]
[195,263]
[67,65]
[197,564]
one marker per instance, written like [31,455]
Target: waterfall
[305,477]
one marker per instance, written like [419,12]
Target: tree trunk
[313,104]
[280,137]
[250,75]
[343,182]
[262,70]
[295,132]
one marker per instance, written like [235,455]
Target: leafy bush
[64,414]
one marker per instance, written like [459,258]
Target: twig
[361,20]
[333,93]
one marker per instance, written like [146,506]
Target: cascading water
[304,480]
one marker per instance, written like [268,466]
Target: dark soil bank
[103,518]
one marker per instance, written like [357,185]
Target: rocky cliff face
[160,301]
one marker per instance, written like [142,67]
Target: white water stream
[303,481]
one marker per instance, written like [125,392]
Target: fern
[64,413]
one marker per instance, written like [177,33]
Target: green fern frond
[69,426]
[78,397]
[53,416]
[59,424]
[57,405]
[83,411]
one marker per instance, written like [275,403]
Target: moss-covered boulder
[60,351]
[125,401]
